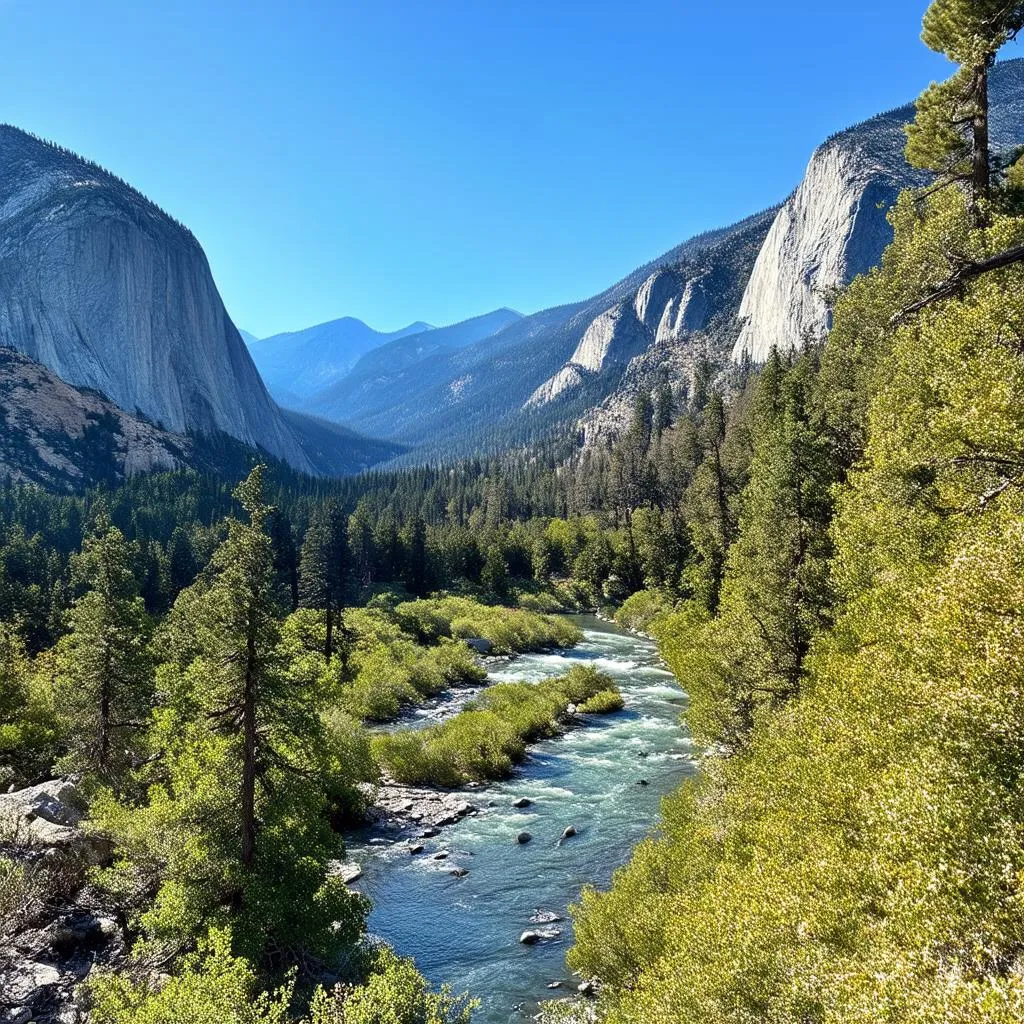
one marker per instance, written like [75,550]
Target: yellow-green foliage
[212,987]
[602,703]
[640,610]
[489,738]
[510,631]
[395,993]
[859,860]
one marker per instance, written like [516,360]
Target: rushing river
[466,930]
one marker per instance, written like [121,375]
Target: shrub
[640,610]
[394,993]
[214,987]
[489,738]
[602,703]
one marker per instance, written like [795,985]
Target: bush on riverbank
[489,738]
[642,609]
[509,630]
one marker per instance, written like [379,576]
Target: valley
[651,657]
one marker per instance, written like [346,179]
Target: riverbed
[606,777]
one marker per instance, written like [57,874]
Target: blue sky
[434,160]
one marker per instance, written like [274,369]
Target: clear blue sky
[434,160]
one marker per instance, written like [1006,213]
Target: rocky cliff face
[834,226]
[107,291]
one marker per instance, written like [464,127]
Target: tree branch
[952,285]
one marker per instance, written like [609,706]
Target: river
[466,930]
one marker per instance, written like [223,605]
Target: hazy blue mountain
[298,364]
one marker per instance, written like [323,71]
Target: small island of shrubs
[489,738]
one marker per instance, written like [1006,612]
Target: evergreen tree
[104,671]
[323,568]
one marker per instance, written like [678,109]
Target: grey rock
[459,872]
[569,831]
[523,838]
[479,644]
[441,855]
[415,849]
[529,938]
[587,988]
[102,287]
[522,802]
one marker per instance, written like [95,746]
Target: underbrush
[489,738]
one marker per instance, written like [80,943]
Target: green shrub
[489,738]
[602,703]
[640,610]
[394,993]
[213,987]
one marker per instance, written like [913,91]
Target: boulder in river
[568,832]
[544,917]
[535,935]
[441,855]
[523,838]
[529,938]
[459,872]
[415,848]
[643,782]
[587,988]
[479,644]
[523,801]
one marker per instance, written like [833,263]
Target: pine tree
[951,132]
[104,671]
[323,568]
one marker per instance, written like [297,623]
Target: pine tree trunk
[104,758]
[248,796]
[980,172]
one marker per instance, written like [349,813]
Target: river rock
[441,855]
[529,938]
[587,988]
[535,935]
[523,801]
[416,848]
[459,872]
[523,838]
[568,832]
[479,644]
[643,782]
[554,984]
[571,710]
[347,871]
[544,917]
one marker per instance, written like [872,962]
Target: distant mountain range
[730,295]
[107,298]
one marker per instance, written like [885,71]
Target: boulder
[587,988]
[544,917]
[529,938]
[568,832]
[416,848]
[459,872]
[441,855]
[479,644]
[643,782]
[523,801]
[523,838]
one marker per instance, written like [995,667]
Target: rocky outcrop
[665,308]
[59,436]
[832,228]
[835,225]
[110,293]
[57,930]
